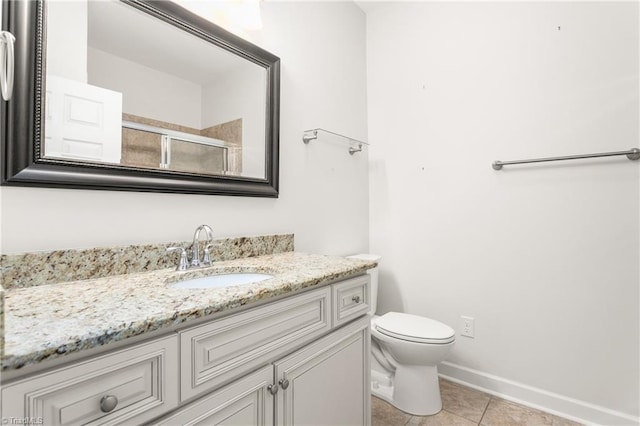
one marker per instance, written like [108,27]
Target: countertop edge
[175,322]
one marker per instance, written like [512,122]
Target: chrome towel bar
[632,154]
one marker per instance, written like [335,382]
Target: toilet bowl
[406,350]
[413,346]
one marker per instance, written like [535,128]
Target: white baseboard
[559,405]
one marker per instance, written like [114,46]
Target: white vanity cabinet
[300,360]
[324,383]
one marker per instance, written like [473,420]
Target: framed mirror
[140,96]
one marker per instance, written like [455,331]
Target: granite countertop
[50,321]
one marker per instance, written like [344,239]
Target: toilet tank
[373,274]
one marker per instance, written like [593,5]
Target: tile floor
[463,406]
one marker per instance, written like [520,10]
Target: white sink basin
[222,280]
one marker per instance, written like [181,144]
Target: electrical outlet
[467,324]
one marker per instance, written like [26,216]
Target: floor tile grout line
[458,415]
[485,409]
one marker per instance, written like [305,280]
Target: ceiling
[129,33]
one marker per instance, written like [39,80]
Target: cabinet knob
[284,383]
[272,389]
[108,403]
[356,299]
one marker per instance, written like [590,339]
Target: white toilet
[406,350]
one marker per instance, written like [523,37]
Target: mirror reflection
[128,89]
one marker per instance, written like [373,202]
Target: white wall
[240,94]
[323,190]
[545,258]
[67,39]
[147,92]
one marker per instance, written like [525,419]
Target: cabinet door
[327,382]
[245,402]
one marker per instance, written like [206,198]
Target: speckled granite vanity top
[49,321]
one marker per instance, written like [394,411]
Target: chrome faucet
[195,249]
[184,263]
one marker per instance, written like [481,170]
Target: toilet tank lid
[414,326]
[365,256]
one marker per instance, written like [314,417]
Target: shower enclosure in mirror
[138,95]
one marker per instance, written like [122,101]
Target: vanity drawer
[218,352]
[351,299]
[125,387]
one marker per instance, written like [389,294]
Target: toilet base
[412,389]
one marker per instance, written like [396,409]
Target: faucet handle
[207,254]
[183,265]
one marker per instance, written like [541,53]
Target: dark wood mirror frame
[21,117]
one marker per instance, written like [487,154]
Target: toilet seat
[414,328]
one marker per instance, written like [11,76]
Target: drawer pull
[356,299]
[284,383]
[108,403]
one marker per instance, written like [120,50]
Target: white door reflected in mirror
[82,122]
